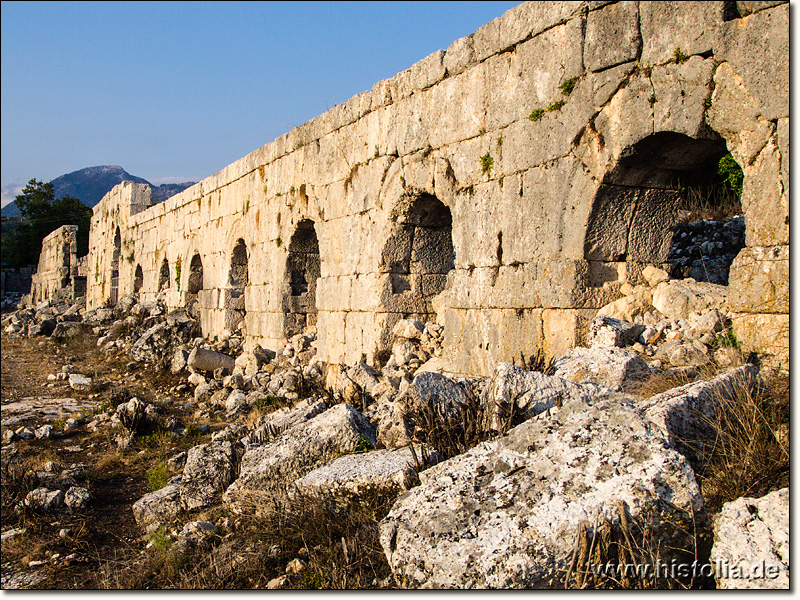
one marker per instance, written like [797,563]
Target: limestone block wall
[58,275]
[506,187]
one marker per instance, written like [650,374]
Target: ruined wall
[59,274]
[506,187]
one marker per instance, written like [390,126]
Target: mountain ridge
[90,184]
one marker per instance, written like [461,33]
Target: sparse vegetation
[557,105]
[568,86]
[157,476]
[536,115]
[487,162]
[679,56]
[720,198]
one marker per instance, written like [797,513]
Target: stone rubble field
[576,446]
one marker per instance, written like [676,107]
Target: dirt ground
[106,530]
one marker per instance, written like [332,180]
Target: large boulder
[209,470]
[611,367]
[274,424]
[153,344]
[508,513]
[751,543]
[270,468]
[677,299]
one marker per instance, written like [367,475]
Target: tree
[42,214]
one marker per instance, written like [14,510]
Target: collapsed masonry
[507,187]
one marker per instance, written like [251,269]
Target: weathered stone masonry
[462,189]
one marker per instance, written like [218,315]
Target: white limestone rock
[410,329]
[160,506]
[210,361]
[515,391]
[751,543]
[77,498]
[80,383]
[677,299]
[208,471]
[607,331]
[384,473]
[44,499]
[614,368]
[298,451]
[506,513]
[274,424]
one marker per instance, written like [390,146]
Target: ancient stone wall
[59,274]
[506,187]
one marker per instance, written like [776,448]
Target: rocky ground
[138,454]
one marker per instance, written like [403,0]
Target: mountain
[89,185]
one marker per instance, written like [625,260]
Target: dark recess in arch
[302,271]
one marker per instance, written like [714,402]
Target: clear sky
[174,92]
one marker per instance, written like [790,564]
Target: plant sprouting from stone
[679,56]
[178,273]
[568,86]
[487,162]
[556,105]
[536,115]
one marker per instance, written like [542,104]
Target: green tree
[42,214]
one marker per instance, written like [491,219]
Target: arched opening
[163,276]
[235,309]
[114,296]
[419,253]
[195,283]
[302,270]
[639,203]
[138,279]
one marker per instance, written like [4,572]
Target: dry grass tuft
[751,453]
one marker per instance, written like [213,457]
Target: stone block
[270,468]
[669,26]
[612,36]
[459,529]
[613,368]
[680,92]
[460,55]
[757,48]
[759,280]
[748,7]
[208,471]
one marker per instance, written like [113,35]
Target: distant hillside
[89,185]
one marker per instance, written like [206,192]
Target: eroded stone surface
[505,514]
[751,543]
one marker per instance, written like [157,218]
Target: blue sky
[177,91]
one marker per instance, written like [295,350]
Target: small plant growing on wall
[536,115]
[178,273]
[568,86]
[487,162]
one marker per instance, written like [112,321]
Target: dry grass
[607,552]
[340,553]
[751,454]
